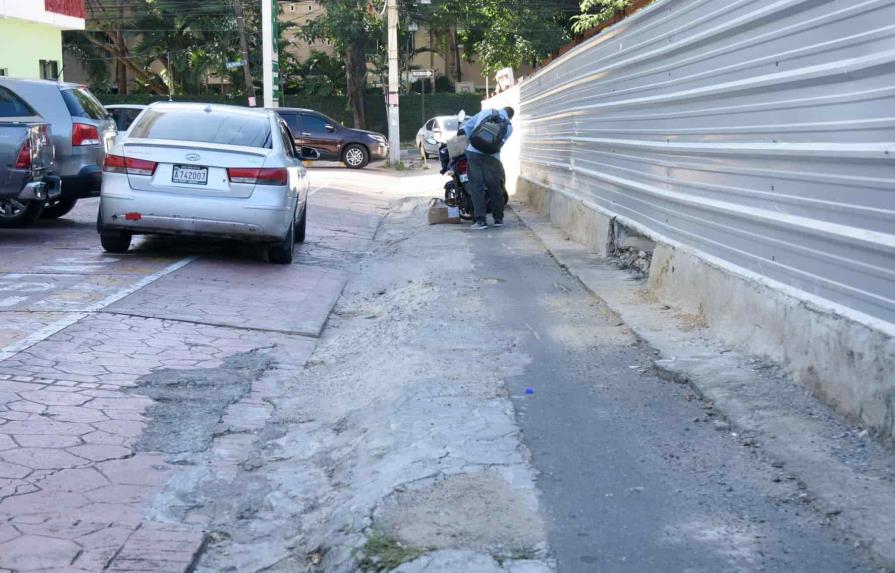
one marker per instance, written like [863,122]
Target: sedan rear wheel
[115,241]
[356,156]
[15,213]
[281,253]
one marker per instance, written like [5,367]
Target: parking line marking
[315,189]
[49,330]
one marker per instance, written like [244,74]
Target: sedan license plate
[190,174]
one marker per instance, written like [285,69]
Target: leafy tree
[510,33]
[184,46]
[500,33]
[169,46]
[351,26]
[320,75]
[108,40]
[595,12]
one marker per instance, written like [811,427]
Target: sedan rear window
[82,103]
[250,130]
[12,105]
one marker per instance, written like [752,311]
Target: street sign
[233,65]
[422,73]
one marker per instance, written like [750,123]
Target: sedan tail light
[258,175]
[128,165]
[23,161]
[84,134]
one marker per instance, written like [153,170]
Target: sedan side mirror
[329,128]
[309,153]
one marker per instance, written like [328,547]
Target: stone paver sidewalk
[73,488]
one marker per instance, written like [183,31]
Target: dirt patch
[189,404]
[478,511]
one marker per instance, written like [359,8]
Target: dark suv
[335,142]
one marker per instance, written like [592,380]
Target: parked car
[206,170]
[435,132]
[82,133]
[26,160]
[124,114]
[335,142]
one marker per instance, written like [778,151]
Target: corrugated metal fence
[761,132]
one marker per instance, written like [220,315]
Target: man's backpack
[489,135]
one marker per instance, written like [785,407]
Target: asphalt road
[634,474]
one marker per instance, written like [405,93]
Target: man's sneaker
[498,222]
[478,226]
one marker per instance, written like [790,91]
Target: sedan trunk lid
[192,169]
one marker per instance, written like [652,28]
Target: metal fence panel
[761,132]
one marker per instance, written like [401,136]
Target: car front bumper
[259,218]
[379,151]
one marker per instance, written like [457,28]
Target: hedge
[337,107]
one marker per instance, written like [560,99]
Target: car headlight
[431,140]
[377,137]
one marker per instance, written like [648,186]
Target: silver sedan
[435,132]
[206,170]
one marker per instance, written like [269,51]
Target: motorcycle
[456,166]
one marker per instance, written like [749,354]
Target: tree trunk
[454,55]
[149,79]
[356,76]
[120,67]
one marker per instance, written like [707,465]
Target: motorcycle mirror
[461,117]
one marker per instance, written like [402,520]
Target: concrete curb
[849,478]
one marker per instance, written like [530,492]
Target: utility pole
[270,57]
[170,77]
[244,46]
[394,125]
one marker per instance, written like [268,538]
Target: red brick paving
[73,492]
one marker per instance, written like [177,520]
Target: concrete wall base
[583,224]
[848,364]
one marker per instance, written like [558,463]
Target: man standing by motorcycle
[487,131]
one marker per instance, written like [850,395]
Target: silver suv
[82,132]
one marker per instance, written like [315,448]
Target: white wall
[510,154]
[754,141]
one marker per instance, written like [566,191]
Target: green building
[31,36]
